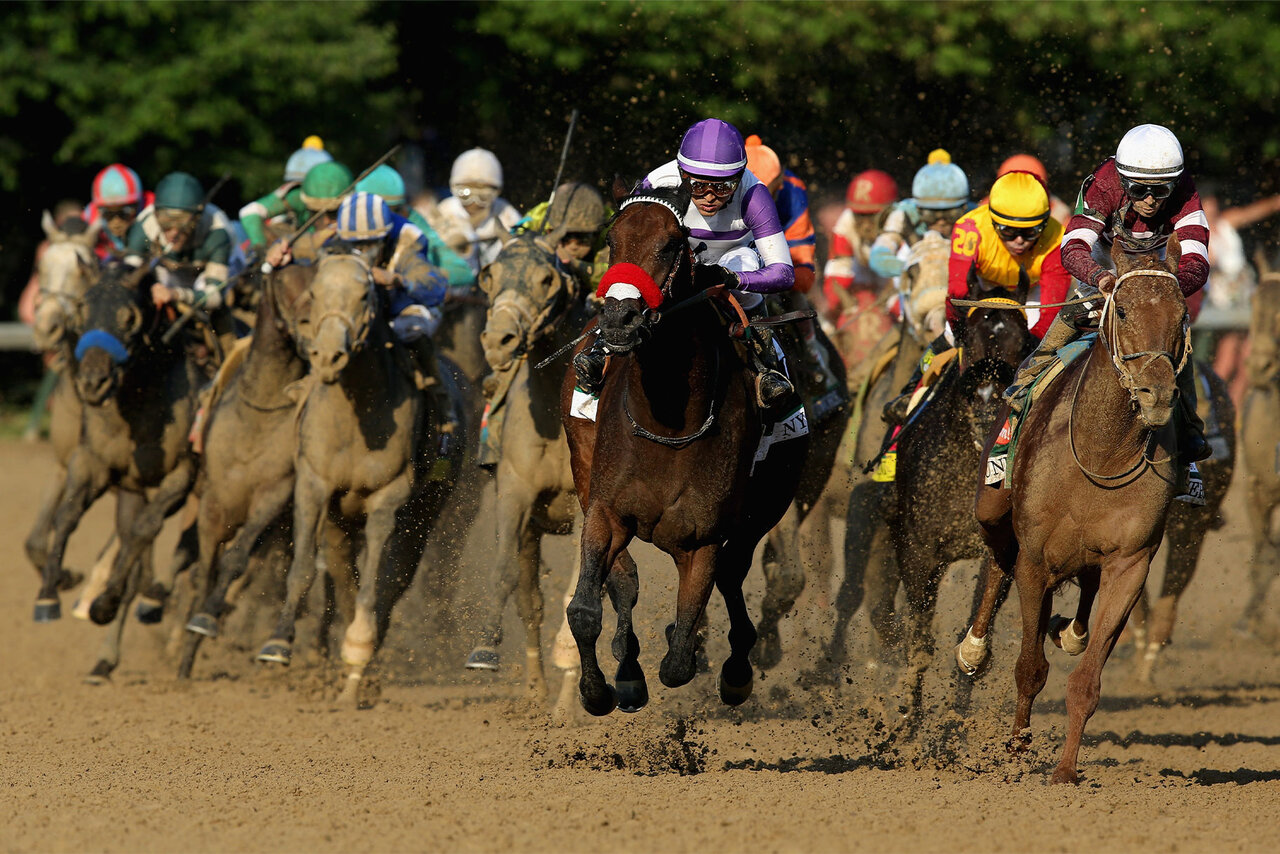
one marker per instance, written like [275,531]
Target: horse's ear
[1024,285]
[1261,263]
[621,189]
[50,227]
[684,196]
[90,237]
[972,280]
[1173,253]
[134,279]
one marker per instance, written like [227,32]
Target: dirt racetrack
[243,758]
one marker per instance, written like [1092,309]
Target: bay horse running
[1093,477]
[139,395]
[870,568]
[670,458]
[535,310]
[372,470]
[939,454]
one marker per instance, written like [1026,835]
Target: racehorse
[1092,480]
[139,395]
[65,270]
[870,568]
[372,468]
[534,312]
[670,457]
[1260,440]
[797,548]
[939,455]
[247,463]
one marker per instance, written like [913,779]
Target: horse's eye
[1120,312]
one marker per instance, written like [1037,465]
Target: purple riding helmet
[712,148]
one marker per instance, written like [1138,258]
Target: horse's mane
[679,197]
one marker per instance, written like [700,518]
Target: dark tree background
[834,87]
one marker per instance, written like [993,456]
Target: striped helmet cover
[363,216]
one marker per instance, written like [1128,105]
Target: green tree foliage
[206,87]
[840,86]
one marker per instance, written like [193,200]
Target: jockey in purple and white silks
[734,229]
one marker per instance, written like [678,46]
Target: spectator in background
[1231,281]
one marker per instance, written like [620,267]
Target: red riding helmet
[870,191]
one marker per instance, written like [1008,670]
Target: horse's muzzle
[1155,405]
[96,377]
[623,323]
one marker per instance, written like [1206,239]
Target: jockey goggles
[171,218]
[1009,232]
[476,195]
[719,189]
[123,212]
[931,215]
[1138,190]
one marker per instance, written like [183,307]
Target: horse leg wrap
[1062,631]
[972,652]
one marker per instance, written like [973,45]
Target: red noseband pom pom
[625,273]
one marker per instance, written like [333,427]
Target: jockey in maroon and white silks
[1104,203]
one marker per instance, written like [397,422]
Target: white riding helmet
[1149,152]
[940,186]
[476,166]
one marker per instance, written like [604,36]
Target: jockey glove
[709,275]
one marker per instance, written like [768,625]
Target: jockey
[573,225]
[478,221]
[734,231]
[386,182]
[912,227]
[117,198]
[1145,191]
[283,206]
[848,270]
[999,241]
[792,199]
[1058,209]
[939,197]
[193,239]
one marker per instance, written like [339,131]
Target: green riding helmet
[179,191]
[324,185]
[385,182]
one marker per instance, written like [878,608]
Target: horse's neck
[371,378]
[673,370]
[272,361]
[1103,407]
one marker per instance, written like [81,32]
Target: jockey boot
[423,350]
[589,366]
[821,377]
[772,386]
[896,411]
[1192,445]
[1060,333]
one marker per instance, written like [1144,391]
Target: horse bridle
[1110,336]
[533,327]
[356,341]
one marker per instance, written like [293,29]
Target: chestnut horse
[1092,482]
[670,458]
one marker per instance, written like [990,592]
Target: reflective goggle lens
[1139,190]
[1009,232]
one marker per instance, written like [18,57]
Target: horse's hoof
[1019,743]
[633,695]
[48,610]
[768,652]
[203,624]
[1062,631]
[149,611]
[483,658]
[276,651]
[972,653]
[1065,775]
[100,674]
[103,609]
[735,695]
[599,707]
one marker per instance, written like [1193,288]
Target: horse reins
[1111,337]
